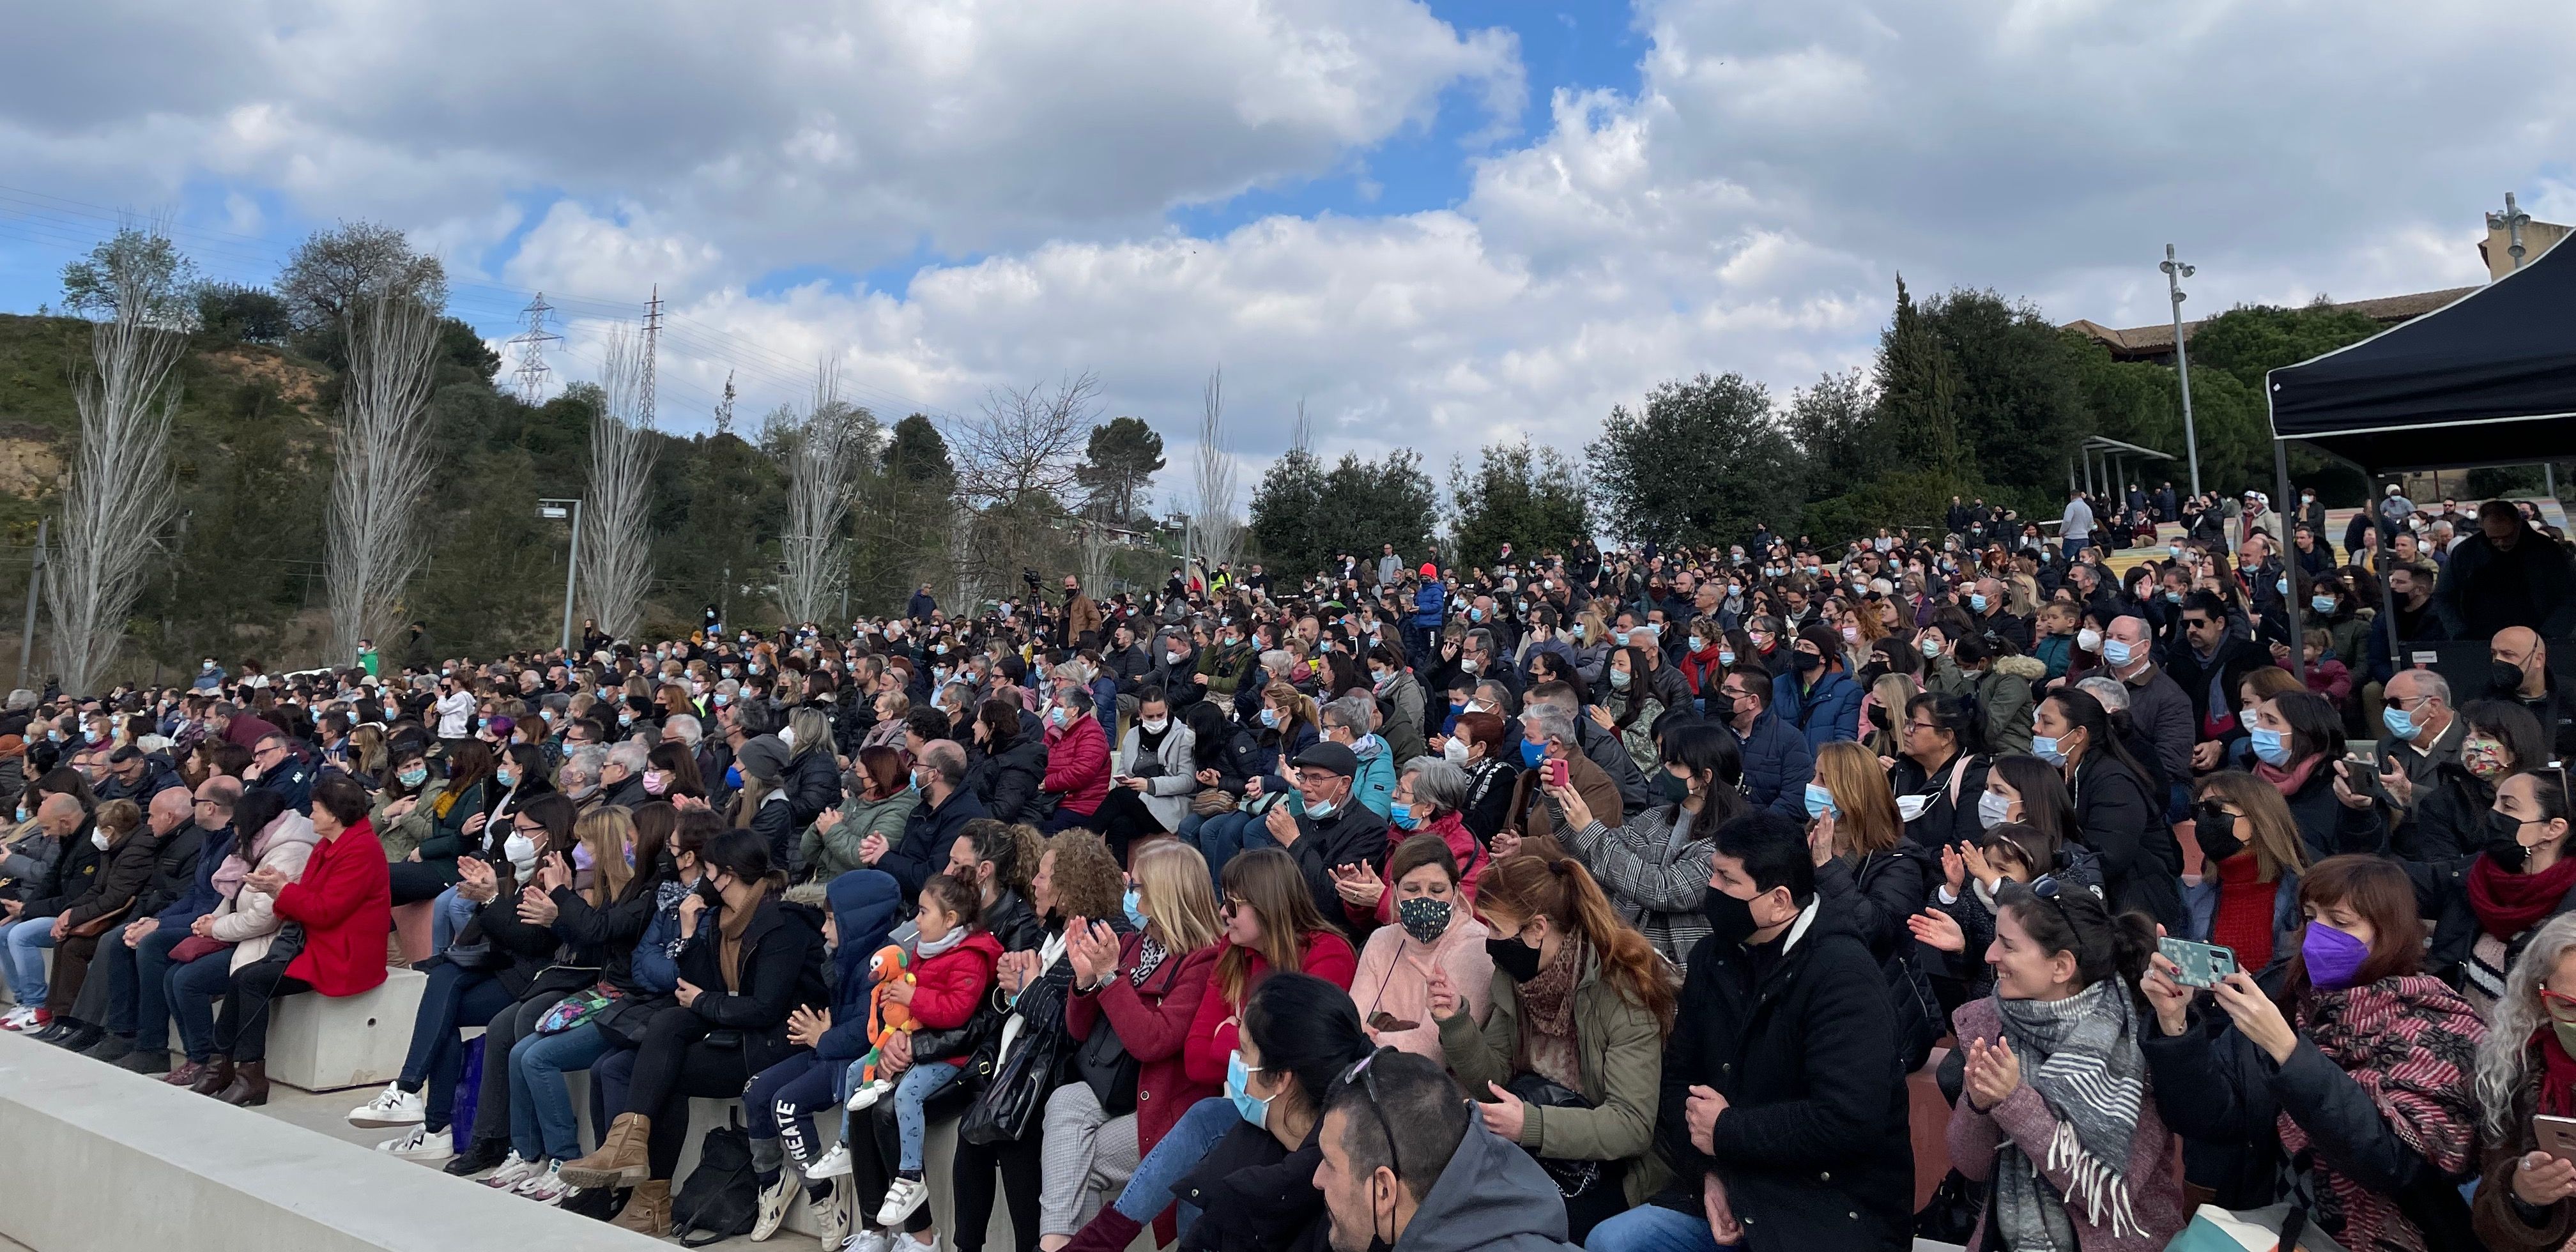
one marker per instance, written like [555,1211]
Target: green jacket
[828,854]
[1225,667]
[1620,1047]
[402,834]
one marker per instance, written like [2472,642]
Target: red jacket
[1463,847]
[1078,765]
[345,901]
[1152,1021]
[947,987]
[1325,954]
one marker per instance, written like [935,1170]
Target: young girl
[955,970]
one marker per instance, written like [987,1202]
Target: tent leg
[2289,567]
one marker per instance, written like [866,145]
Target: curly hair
[1085,881]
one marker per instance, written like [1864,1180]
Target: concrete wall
[91,1157]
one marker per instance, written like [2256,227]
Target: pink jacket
[1395,978]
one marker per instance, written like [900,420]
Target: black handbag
[1573,1178]
[1017,1083]
[1104,1064]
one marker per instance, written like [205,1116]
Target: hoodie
[1491,1197]
[866,905]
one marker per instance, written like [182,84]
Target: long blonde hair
[607,832]
[1173,888]
[1865,808]
[1892,692]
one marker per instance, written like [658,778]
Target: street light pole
[552,510]
[2511,222]
[2175,272]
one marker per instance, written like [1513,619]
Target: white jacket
[1167,795]
[248,920]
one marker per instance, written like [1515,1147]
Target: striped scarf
[2081,1055]
[2410,1043]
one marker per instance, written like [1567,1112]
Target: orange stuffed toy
[891,965]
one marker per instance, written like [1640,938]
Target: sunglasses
[1360,1073]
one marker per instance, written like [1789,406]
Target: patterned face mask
[1423,917]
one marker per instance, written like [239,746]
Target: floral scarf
[1547,1018]
[2410,1042]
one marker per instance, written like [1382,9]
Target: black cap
[1329,756]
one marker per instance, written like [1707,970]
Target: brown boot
[249,1087]
[620,1161]
[217,1075]
[648,1211]
[185,1074]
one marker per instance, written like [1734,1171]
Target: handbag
[195,946]
[472,949]
[1573,1178]
[1212,802]
[98,925]
[1019,1081]
[576,1009]
[2277,1228]
[624,1021]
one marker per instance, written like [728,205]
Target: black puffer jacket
[174,870]
[1255,1196]
[813,785]
[1007,781]
[611,932]
[782,967]
[2125,826]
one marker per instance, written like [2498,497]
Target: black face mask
[1513,957]
[707,892]
[2502,847]
[2217,835]
[2504,677]
[1807,662]
[1730,919]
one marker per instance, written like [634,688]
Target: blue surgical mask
[2118,652]
[1401,814]
[1238,1088]
[2281,586]
[2400,723]
[2271,747]
[1820,800]
[1532,753]
[733,777]
[1992,809]
[1977,601]
[1726,656]
[1695,644]
[414,776]
[2321,604]
[1270,718]
[2173,597]
[2045,748]
[1135,907]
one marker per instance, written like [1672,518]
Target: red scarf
[2557,1074]
[2288,780]
[2508,904]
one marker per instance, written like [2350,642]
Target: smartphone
[2556,1135]
[1557,774]
[2197,964]
[2364,753]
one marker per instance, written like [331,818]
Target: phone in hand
[2555,1135]
[2197,964]
[1558,773]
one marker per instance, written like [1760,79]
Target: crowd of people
[1598,898]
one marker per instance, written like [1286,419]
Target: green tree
[1118,463]
[917,453]
[1286,511]
[2249,341]
[1918,392]
[2015,389]
[1704,462]
[241,314]
[335,272]
[1836,426]
[1367,503]
[1531,498]
[90,287]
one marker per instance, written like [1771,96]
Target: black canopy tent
[2489,379]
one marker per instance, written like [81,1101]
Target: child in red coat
[955,970]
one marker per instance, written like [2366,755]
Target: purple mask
[2333,957]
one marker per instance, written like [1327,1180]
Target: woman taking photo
[1435,938]
[1578,1000]
[1861,856]
[2251,856]
[2527,1068]
[2116,815]
[880,799]
[2297,741]
[2343,1064]
[1938,773]
[2054,1112]
[1655,868]
[1134,997]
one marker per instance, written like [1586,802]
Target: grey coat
[1167,795]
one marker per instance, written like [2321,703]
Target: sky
[1432,224]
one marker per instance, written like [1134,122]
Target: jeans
[2074,546]
[22,962]
[1181,1149]
[781,1100]
[138,1001]
[1652,1229]
[192,990]
[1220,837]
[447,916]
[917,1086]
[542,1126]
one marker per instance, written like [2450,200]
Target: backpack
[720,1198]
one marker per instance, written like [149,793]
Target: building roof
[2156,342]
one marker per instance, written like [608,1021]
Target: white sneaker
[773,1205]
[868,1094]
[545,1188]
[903,1199]
[421,1145]
[868,1240]
[20,1016]
[831,1216]
[834,1164]
[392,1107]
[515,1169]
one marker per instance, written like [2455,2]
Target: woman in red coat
[1136,997]
[1077,760]
[344,902]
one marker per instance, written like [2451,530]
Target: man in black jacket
[1783,1110]
[2508,574]
[2209,666]
[174,872]
[931,831]
[1335,831]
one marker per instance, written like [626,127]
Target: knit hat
[763,757]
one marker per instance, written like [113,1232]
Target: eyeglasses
[1360,1073]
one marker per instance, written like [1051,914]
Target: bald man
[31,925]
[135,963]
[2519,671]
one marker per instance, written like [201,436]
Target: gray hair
[686,726]
[1068,672]
[2503,1059]
[2429,683]
[21,700]
[813,730]
[583,765]
[629,756]
[1437,783]
[1278,661]
[1350,713]
[1552,722]
[2113,693]
[945,756]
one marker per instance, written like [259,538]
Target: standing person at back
[2075,528]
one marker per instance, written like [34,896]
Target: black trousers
[1122,819]
[502,1033]
[242,1020]
[972,1177]
[415,881]
[672,1064]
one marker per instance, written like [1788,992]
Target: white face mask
[2089,639]
[1455,750]
[522,852]
[98,840]
[1156,725]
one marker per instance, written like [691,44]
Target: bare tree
[617,562]
[373,540]
[823,460]
[1219,536]
[1026,442]
[119,497]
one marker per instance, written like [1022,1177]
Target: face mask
[1401,814]
[1320,809]
[412,777]
[1851,634]
[1993,809]
[210,667]
[1513,957]
[1726,656]
[2174,551]
[2173,597]
[2270,747]
[1056,717]
[1532,753]
[1454,751]
[2089,639]
[1135,907]
[625,719]
[1806,662]
[1422,917]
[507,778]
[1674,789]
[2482,758]
[1270,718]
[2118,652]
[1730,920]
[1238,1080]
[1820,800]
[98,840]
[2400,723]
[1977,601]
[2321,604]
[2334,958]
[2504,843]
[2045,748]
[1618,680]
[2217,835]
[521,851]
[2504,676]
[733,777]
